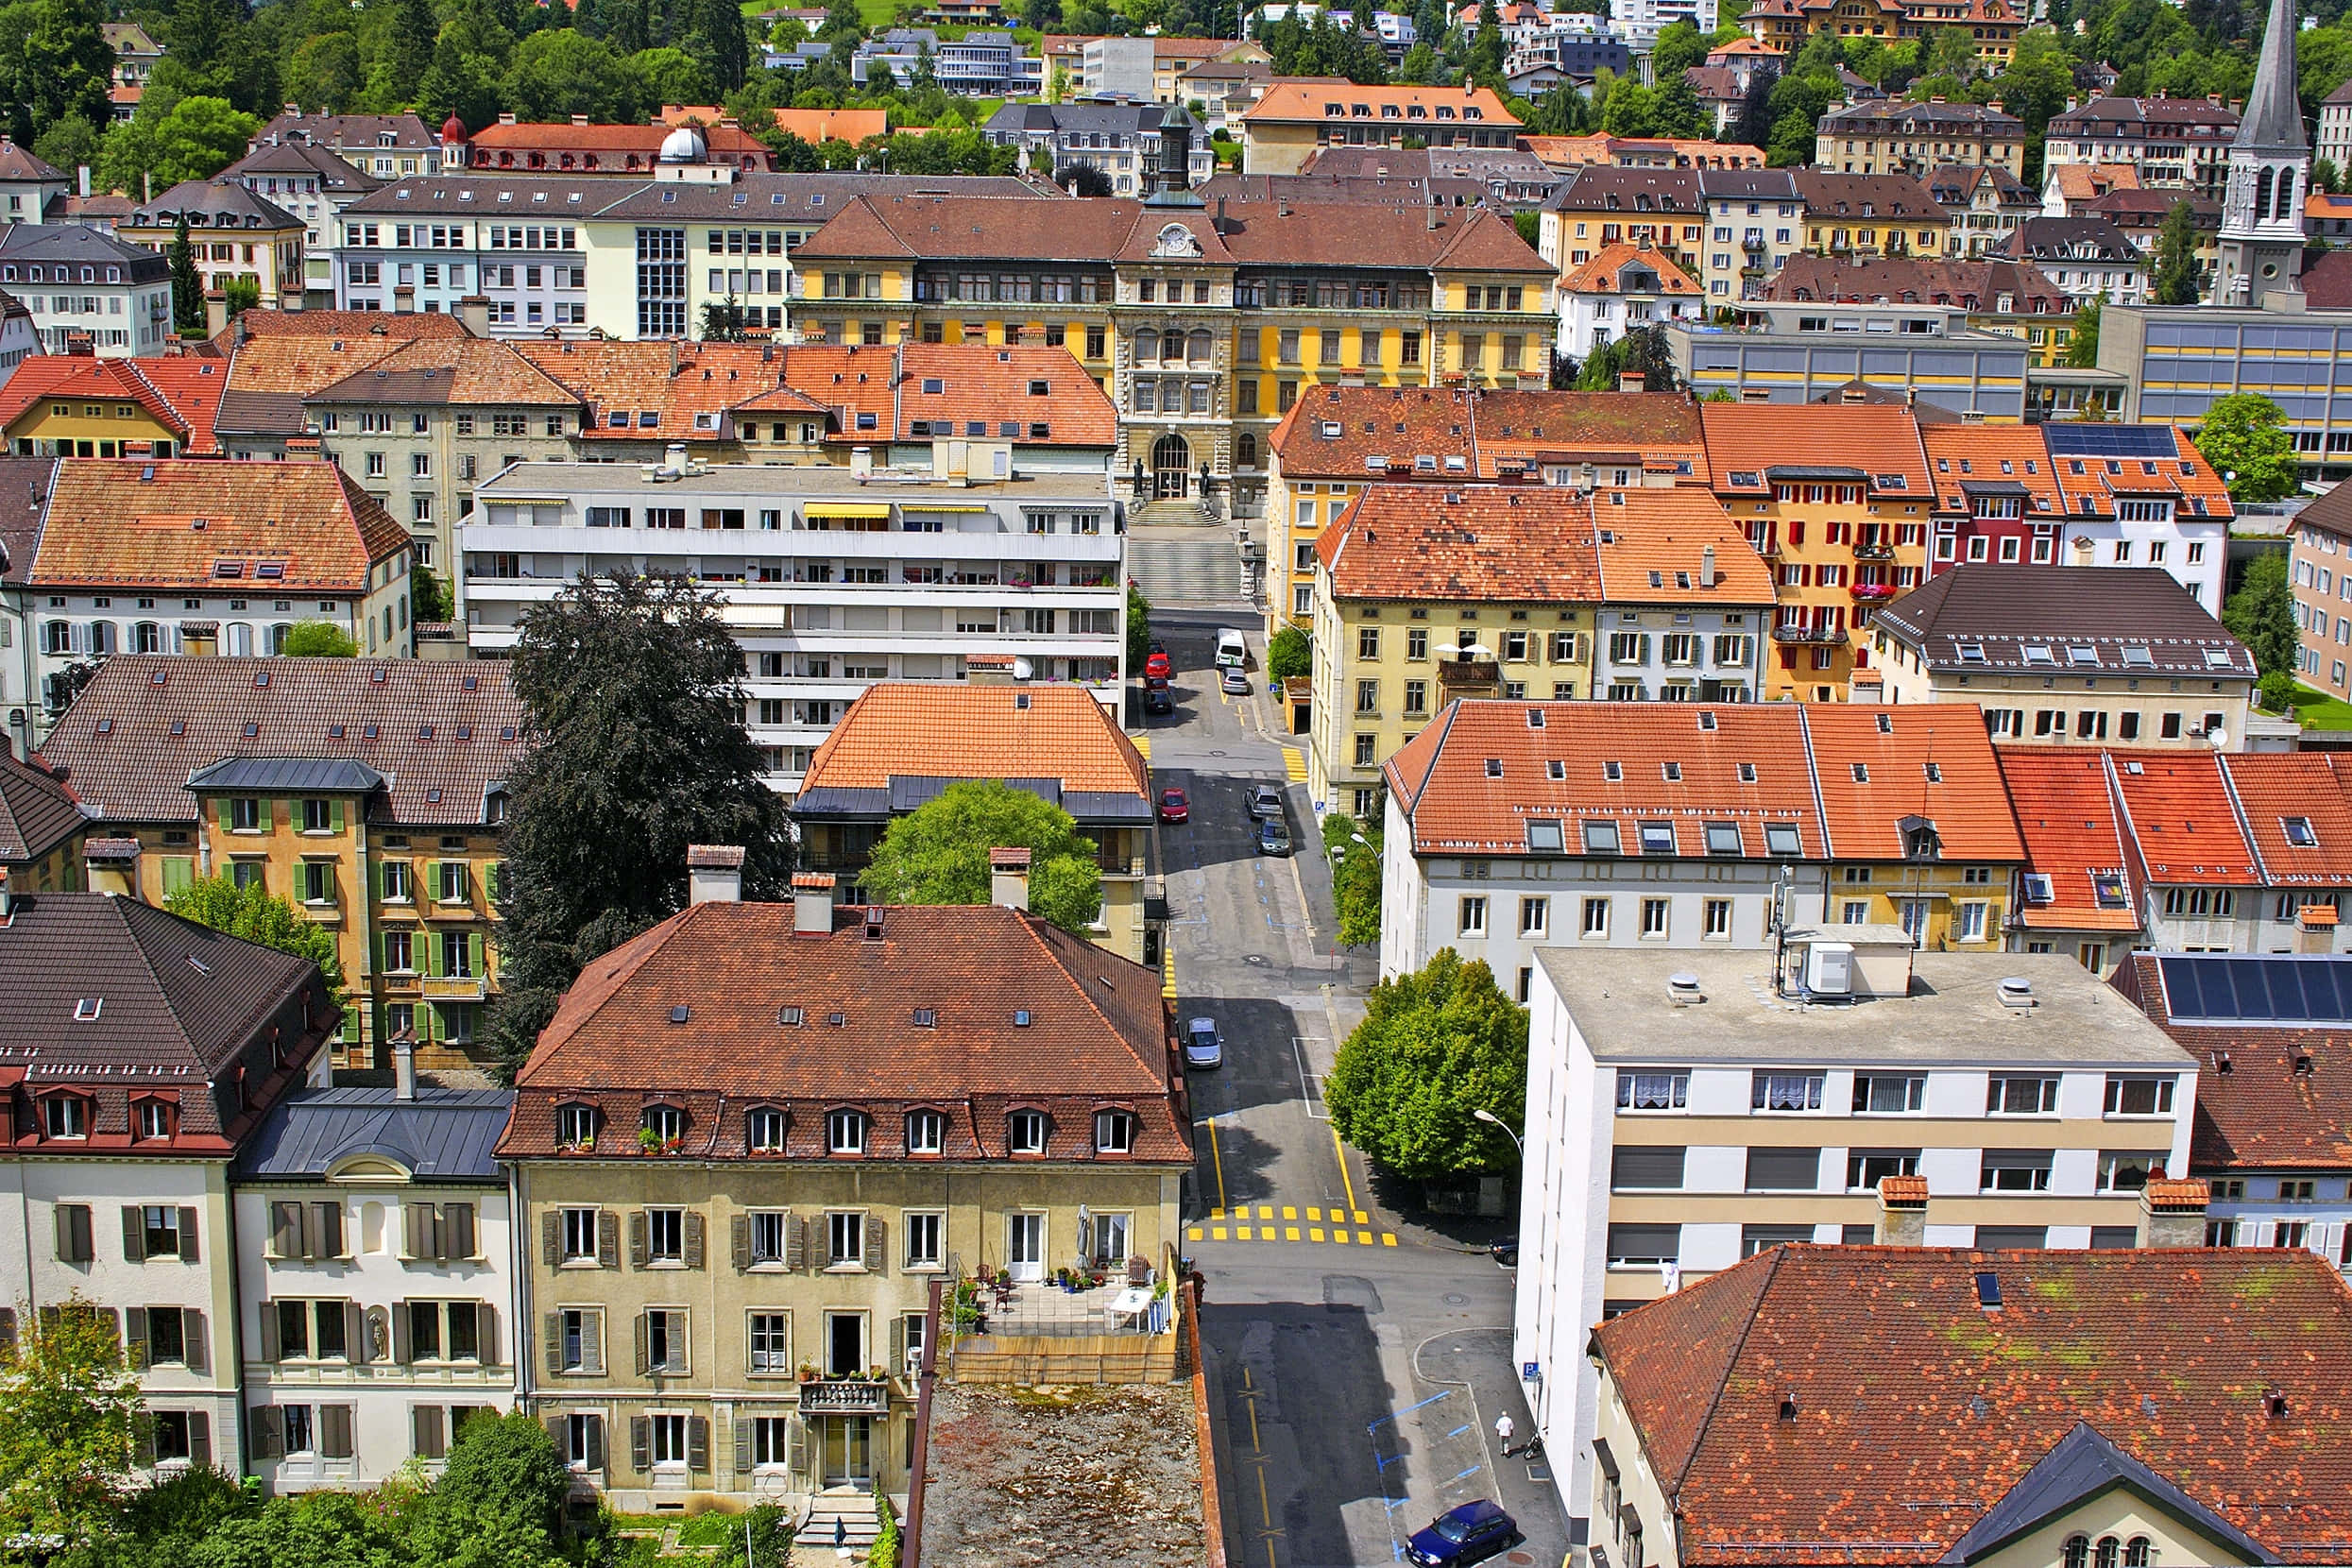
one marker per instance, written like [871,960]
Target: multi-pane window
[923,1240]
[771,1230]
[2129,1171]
[1115,1133]
[770,1342]
[1866,1167]
[1654,916]
[1718,923]
[1596,917]
[1886,1094]
[1471,915]
[926,1131]
[1786,1091]
[845,1239]
[1535,916]
[763,1130]
[1652,1090]
[665,1235]
[1025,1131]
[2139,1095]
[2021,1096]
[579,1235]
[845,1132]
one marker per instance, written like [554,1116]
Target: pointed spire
[2274,117]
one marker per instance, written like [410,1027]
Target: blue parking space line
[1465,1474]
[1374,1426]
[1459,1430]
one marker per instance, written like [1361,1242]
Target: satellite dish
[2217,738]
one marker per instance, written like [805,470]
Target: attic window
[1862,773]
[1600,838]
[2038,653]
[1614,772]
[1971,652]
[1658,838]
[1670,771]
[179,727]
[2038,889]
[2081,653]
[1494,767]
[2108,891]
[1747,772]
[935,386]
[106,726]
[1746,478]
[270,572]
[251,730]
[926,1017]
[433,797]
[1887,723]
[334,732]
[2299,831]
[2138,653]
[260,678]
[680,1014]
[228,569]
[1020,1018]
[376,677]
[86,1011]
[1988,1289]
[1707,720]
[1544,837]
[369,732]
[160,679]
[1723,838]
[2217,659]
[1534,718]
[1935,772]
[506,732]
[790,1017]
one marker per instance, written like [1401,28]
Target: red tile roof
[1599,275]
[1908,1392]
[1658,432]
[2180,822]
[1311,101]
[1095,1033]
[1335,433]
[1445,779]
[2092,483]
[1962,457]
[1873,439]
[1025,386]
[181,392]
[1930,760]
[1653,545]
[1521,543]
[2073,831]
[978,732]
[2312,789]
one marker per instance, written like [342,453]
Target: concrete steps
[853,1512]
[1173,513]
[1178,569]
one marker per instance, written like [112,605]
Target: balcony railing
[1808,634]
[1869,552]
[468,988]
[844,1397]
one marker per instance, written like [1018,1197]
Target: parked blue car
[1471,1533]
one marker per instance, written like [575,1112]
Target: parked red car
[1175,806]
[1156,665]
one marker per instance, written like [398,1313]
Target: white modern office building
[832,579]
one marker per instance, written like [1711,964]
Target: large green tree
[938,853]
[2176,275]
[2262,613]
[636,749]
[2245,437]
[187,285]
[258,915]
[2082,347]
[69,1409]
[67,69]
[1289,653]
[1354,850]
[1436,1045]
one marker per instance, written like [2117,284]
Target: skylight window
[1935,772]
[1494,767]
[2217,659]
[2038,889]
[1544,837]
[2299,831]
[1707,720]
[1747,772]
[1782,838]
[1862,773]
[1534,718]
[2108,891]
[1614,772]
[1723,838]
[1556,768]
[1658,838]
[2138,653]
[1971,652]
[2082,653]
[1600,838]
[2038,653]
[1670,771]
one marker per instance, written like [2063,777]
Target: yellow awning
[938,506]
[847,509]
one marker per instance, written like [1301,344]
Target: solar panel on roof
[2112,440]
[2284,988]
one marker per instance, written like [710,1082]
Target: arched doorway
[1171,468]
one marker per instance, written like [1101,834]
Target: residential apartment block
[903,741]
[236,236]
[2014,298]
[1861,215]
[385,146]
[2060,655]
[1685,1112]
[1601,205]
[2319,542]
[2055,1394]
[1284,128]
[81,286]
[76,405]
[1119,141]
[369,793]
[1623,289]
[749,1145]
[376,1257]
[831,579]
[2169,144]
[1991,26]
[2089,257]
[1515,829]
[1890,136]
[315,184]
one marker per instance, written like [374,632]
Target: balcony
[1874,552]
[454,988]
[1809,633]
[1874,593]
[844,1397]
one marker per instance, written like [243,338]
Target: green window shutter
[335,818]
[375,881]
[380,964]
[223,810]
[473,943]
[430,960]
[432,888]
[494,877]
[178,871]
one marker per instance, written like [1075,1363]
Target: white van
[1232,652]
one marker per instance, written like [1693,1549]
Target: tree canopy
[938,853]
[319,639]
[636,749]
[2245,437]
[68,1414]
[1289,653]
[1434,1045]
[2262,613]
[2178,275]
[256,915]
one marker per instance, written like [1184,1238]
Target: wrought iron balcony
[1808,634]
[844,1397]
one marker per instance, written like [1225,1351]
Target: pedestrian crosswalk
[1168,972]
[1293,764]
[1289,1222]
[1143,744]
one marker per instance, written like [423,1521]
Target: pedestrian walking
[1503,1429]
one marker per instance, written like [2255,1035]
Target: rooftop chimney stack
[1007,877]
[1707,567]
[1902,1211]
[403,1068]
[2171,1212]
[6,908]
[812,903]
[714,873]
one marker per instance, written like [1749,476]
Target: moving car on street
[1471,1533]
[1202,1049]
[1175,806]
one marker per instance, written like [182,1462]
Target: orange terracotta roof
[2073,834]
[109,525]
[2310,791]
[1872,439]
[833,125]
[687,387]
[1472,780]
[1041,391]
[1656,431]
[1338,432]
[1879,765]
[379,324]
[1652,547]
[181,392]
[1599,275]
[727,144]
[1515,543]
[2180,823]
[457,370]
[1309,101]
[2092,482]
[937,730]
[1961,457]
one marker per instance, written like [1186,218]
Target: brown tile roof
[181,392]
[1443,779]
[393,324]
[1875,441]
[2180,823]
[1652,546]
[1293,101]
[2313,787]
[2091,481]
[180,1006]
[1096,1035]
[1635,193]
[2073,831]
[36,813]
[110,525]
[1907,1389]
[283,359]
[1393,423]
[24,494]
[158,735]
[1659,431]
[2082,183]
[1599,275]
[675,382]
[1879,765]
[2008,459]
[1520,543]
[1976,285]
[454,370]
[1880,199]
[2033,617]
[2258,1112]
[936,729]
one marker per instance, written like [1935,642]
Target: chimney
[1633,380]
[81,177]
[812,903]
[6,908]
[1902,1211]
[1707,567]
[1007,877]
[860,462]
[2172,1213]
[474,311]
[404,1068]
[714,873]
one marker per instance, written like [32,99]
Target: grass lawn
[2317,710]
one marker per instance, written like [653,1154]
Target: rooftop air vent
[2017,992]
[1788,1406]
[1683,988]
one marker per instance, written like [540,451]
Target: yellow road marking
[1217,1233]
[1254,1446]
[1290,1233]
[1143,744]
[1217,1214]
[1289,1213]
[1294,764]
[1314,1233]
[1263,1212]
[1362,1218]
[1364,1238]
[1269,1553]
[1387,1239]
[1217,1159]
[1346,1180]
[1193,1233]
[1241,1232]
[1340,1236]
[1265,1508]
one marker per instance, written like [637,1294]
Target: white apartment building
[1641,20]
[1685,1111]
[514,240]
[375,1268]
[80,283]
[832,579]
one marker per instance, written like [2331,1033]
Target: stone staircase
[852,1510]
[1174,513]
[1177,570]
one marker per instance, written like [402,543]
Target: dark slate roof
[177,1001]
[2006,610]
[36,812]
[2082,1465]
[288,776]
[2055,239]
[75,242]
[754,196]
[24,492]
[219,202]
[441,1135]
[1125,119]
[335,173]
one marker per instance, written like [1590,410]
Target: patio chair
[1138,1269]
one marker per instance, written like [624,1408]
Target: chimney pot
[1902,1211]
[812,903]
[1707,567]
[714,873]
[2171,1211]
[404,1068]
[1007,877]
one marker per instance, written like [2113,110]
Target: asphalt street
[1358,1356]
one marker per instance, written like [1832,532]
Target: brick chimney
[812,903]
[714,873]
[1007,877]
[2171,1212]
[1902,1211]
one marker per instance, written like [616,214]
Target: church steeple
[2270,174]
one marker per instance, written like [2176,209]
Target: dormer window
[152,1120]
[65,1116]
[1024,1133]
[845,1132]
[763,1130]
[926,1131]
[665,1123]
[575,1126]
[1115,1133]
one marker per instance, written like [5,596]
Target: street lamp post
[1482,1114]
